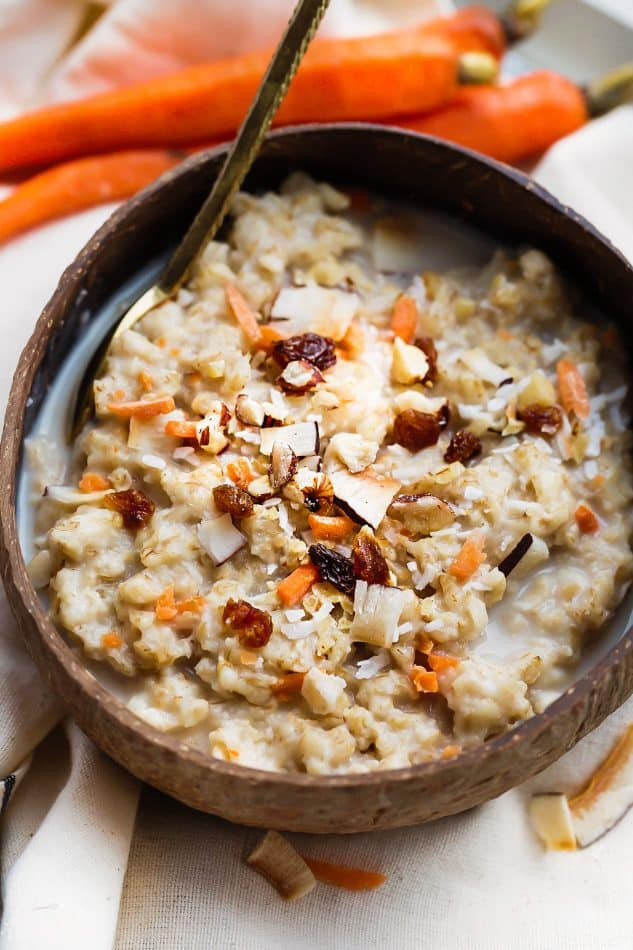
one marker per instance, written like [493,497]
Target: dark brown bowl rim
[14,567]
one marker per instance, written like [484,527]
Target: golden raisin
[253,627]
[235,500]
[462,447]
[134,507]
[416,430]
[541,420]
[368,560]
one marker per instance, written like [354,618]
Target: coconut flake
[153,461]
[220,538]
[325,310]
[473,493]
[67,495]
[608,796]
[366,669]
[302,437]
[552,821]
[480,364]
[377,610]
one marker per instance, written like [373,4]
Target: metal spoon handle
[300,30]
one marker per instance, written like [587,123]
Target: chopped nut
[211,430]
[422,513]
[541,420]
[463,446]
[355,452]
[235,500]
[276,860]
[134,507]
[426,344]
[368,560]
[333,567]
[416,430]
[283,465]
[315,349]
[539,390]
[254,627]
[409,364]
[260,488]
[299,377]
[248,411]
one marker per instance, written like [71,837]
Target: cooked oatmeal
[320,475]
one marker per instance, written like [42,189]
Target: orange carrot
[288,684]
[586,520]
[330,528]
[91,481]
[572,389]
[295,586]
[146,381]
[425,681]
[353,343]
[166,605]
[243,314]
[181,429]
[424,644]
[439,662]
[508,122]
[110,641]
[352,879]
[191,605]
[450,750]
[240,473]
[404,319]
[80,184]
[339,78]
[143,408]
[268,336]
[468,559]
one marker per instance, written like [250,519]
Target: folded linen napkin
[478,880]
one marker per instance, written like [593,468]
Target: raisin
[541,420]
[416,430]
[426,344]
[254,627]
[235,500]
[299,377]
[462,447]
[333,567]
[134,507]
[368,560]
[315,349]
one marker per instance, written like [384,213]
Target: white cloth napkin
[480,880]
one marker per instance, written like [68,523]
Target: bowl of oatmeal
[347,544]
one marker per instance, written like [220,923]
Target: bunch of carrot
[115,143]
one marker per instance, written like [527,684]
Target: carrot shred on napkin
[352,879]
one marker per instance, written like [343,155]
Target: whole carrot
[80,184]
[358,78]
[508,122]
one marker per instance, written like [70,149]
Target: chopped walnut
[235,500]
[134,507]
[426,344]
[541,420]
[254,627]
[462,447]
[368,560]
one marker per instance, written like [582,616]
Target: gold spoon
[300,30]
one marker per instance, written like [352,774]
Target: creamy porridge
[320,475]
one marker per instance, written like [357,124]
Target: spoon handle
[300,30]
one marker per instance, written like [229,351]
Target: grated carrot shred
[586,520]
[243,314]
[268,336]
[404,318]
[440,662]
[110,641]
[248,658]
[142,409]
[450,750]
[469,558]
[166,605]
[572,389]
[288,685]
[146,381]
[91,481]
[181,429]
[353,343]
[293,588]
[330,528]
[425,681]
[340,875]
[240,473]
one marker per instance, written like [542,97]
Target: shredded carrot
[142,409]
[181,429]
[268,336]
[240,473]
[146,381]
[352,879]
[330,528]
[439,662]
[248,658]
[166,605]
[243,314]
[353,343]
[191,605]
[571,385]
[193,378]
[288,684]
[468,559]
[110,641]
[91,481]
[425,681]
[586,520]
[450,750]
[293,588]
[404,318]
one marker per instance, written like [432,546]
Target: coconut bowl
[426,173]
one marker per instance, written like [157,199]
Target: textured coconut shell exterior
[425,172]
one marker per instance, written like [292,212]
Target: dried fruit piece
[426,344]
[315,349]
[134,507]
[365,496]
[423,513]
[276,860]
[462,447]
[333,567]
[254,627]
[235,500]
[416,430]
[283,465]
[299,377]
[368,560]
[541,420]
